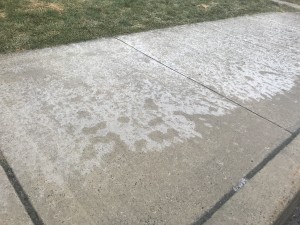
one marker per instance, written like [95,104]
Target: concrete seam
[208,214]
[19,190]
[205,86]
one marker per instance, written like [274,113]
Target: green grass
[30,24]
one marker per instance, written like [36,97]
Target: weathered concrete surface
[262,200]
[295,217]
[99,133]
[11,209]
[248,59]
[108,136]
[288,19]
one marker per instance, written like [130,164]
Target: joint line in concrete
[205,86]
[206,216]
[30,210]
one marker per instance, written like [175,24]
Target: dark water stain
[94,129]
[150,104]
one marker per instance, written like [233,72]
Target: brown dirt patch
[2,14]
[40,5]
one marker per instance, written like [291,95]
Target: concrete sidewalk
[172,126]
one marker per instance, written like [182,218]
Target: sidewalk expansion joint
[32,213]
[208,214]
[207,87]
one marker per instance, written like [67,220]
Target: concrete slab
[11,209]
[282,18]
[98,133]
[286,19]
[238,62]
[263,199]
[261,30]
[296,6]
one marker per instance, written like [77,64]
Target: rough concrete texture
[99,133]
[11,209]
[295,217]
[248,59]
[262,200]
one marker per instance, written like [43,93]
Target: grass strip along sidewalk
[293,1]
[31,24]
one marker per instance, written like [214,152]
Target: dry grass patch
[2,14]
[203,6]
[43,6]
